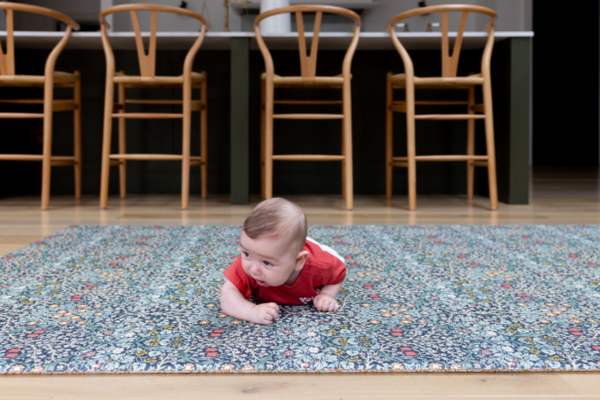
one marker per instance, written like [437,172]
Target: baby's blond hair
[279,217]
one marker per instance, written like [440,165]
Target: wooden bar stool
[50,80]
[448,80]
[147,79]
[308,79]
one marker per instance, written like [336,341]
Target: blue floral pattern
[416,298]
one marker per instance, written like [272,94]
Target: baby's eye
[267,263]
[246,254]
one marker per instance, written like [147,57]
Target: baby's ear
[301,259]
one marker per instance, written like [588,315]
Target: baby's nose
[255,269]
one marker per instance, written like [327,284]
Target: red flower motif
[405,349]
[572,256]
[347,257]
[461,256]
[113,264]
[410,353]
[596,347]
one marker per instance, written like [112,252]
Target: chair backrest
[147,61]
[449,61]
[308,63]
[7,60]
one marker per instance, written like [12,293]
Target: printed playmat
[110,299]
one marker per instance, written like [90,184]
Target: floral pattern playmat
[416,298]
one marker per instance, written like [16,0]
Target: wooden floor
[558,196]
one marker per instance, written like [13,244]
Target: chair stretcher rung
[453,157]
[55,160]
[147,115]
[17,115]
[308,116]
[307,101]
[151,157]
[307,157]
[449,116]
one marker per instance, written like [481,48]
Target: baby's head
[272,241]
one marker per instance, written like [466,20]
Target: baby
[280,265]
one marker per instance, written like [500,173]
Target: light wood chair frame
[448,80]
[50,80]
[187,81]
[308,79]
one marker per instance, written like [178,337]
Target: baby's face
[268,260]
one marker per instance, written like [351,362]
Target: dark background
[565,84]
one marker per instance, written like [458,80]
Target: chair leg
[269,94]
[344,194]
[108,109]
[185,162]
[262,141]
[489,139]
[389,137]
[77,133]
[347,110]
[470,143]
[47,146]
[204,139]
[122,142]
[411,147]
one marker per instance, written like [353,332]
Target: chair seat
[299,81]
[158,81]
[61,79]
[460,82]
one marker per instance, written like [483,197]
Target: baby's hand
[264,313]
[324,302]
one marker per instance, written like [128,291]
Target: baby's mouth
[261,283]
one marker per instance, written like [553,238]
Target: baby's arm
[235,305]
[325,300]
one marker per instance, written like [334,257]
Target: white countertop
[221,40]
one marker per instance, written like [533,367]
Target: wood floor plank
[303,386]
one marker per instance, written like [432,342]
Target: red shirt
[320,269]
